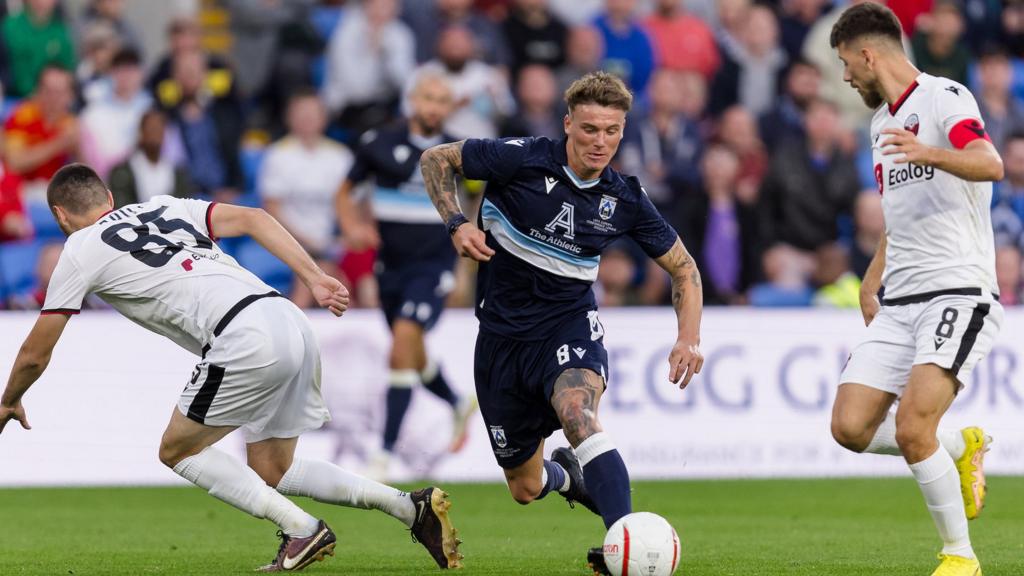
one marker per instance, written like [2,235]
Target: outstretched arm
[32,360]
[229,221]
[439,165]
[688,301]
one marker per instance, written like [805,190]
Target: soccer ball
[641,544]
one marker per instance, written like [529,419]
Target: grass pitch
[777,527]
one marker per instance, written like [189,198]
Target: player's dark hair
[76,188]
[599,88]
[867,19]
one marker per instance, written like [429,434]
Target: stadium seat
[325,19]
[317,71]
[45,226]
[18,266]
[251,158]
[265,265]
[8,106]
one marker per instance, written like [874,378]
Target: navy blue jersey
[411,231]
[548,229]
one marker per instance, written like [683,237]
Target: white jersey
[158,264]
[938,226]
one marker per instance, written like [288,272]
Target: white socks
[593,447]
[940,484]
[227,479]
[325,482]
[884,441]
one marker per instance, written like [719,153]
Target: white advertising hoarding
[760,408]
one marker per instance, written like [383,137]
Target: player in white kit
[158,264]
[939,313]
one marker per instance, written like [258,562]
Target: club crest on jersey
[401,153]
[607,207]
[912,124]
[500,440]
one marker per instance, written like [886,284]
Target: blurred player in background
[415,257]
[157,263]
[939,313]
[550,208]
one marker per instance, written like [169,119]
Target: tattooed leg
[606,481]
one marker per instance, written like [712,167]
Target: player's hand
[471,242]
[16,412]
[905,142]
[869,306]
[685,360]
[330,293]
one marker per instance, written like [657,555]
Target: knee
[171,453]
[525,490]
[852,437]
[912,436]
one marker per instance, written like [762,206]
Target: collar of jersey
[895,106]
[563,158]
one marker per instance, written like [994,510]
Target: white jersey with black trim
[938,226]
[156,263]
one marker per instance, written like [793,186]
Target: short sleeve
[273,182]
[959,116]
[494,159]
[651,231]
[200,212]
[362,167]
[67,288]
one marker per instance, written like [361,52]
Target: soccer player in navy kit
[549,210]
[415,257]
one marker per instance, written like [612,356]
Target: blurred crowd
[744,133]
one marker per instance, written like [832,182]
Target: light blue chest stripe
[491,213]
[394,196]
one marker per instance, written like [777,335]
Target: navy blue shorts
[415,293]
[515,380]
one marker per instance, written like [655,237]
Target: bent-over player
[158,264]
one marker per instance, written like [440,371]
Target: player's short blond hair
[599,88]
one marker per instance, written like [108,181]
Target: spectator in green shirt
[33,38]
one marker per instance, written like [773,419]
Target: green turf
[798,527]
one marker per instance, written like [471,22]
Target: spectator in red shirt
[42,134]
[681,41]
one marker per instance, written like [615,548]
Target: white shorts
[953,332]
[261,373]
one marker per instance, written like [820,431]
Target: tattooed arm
[439,165]
[688,301]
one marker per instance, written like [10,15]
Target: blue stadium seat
[317,71]
[265,265]
[7,107]
[251,158]
[325,19]
[43,222]
[18,266]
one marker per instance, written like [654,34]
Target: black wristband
[454,222]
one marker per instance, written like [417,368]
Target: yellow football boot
[957,566]
[970,465]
